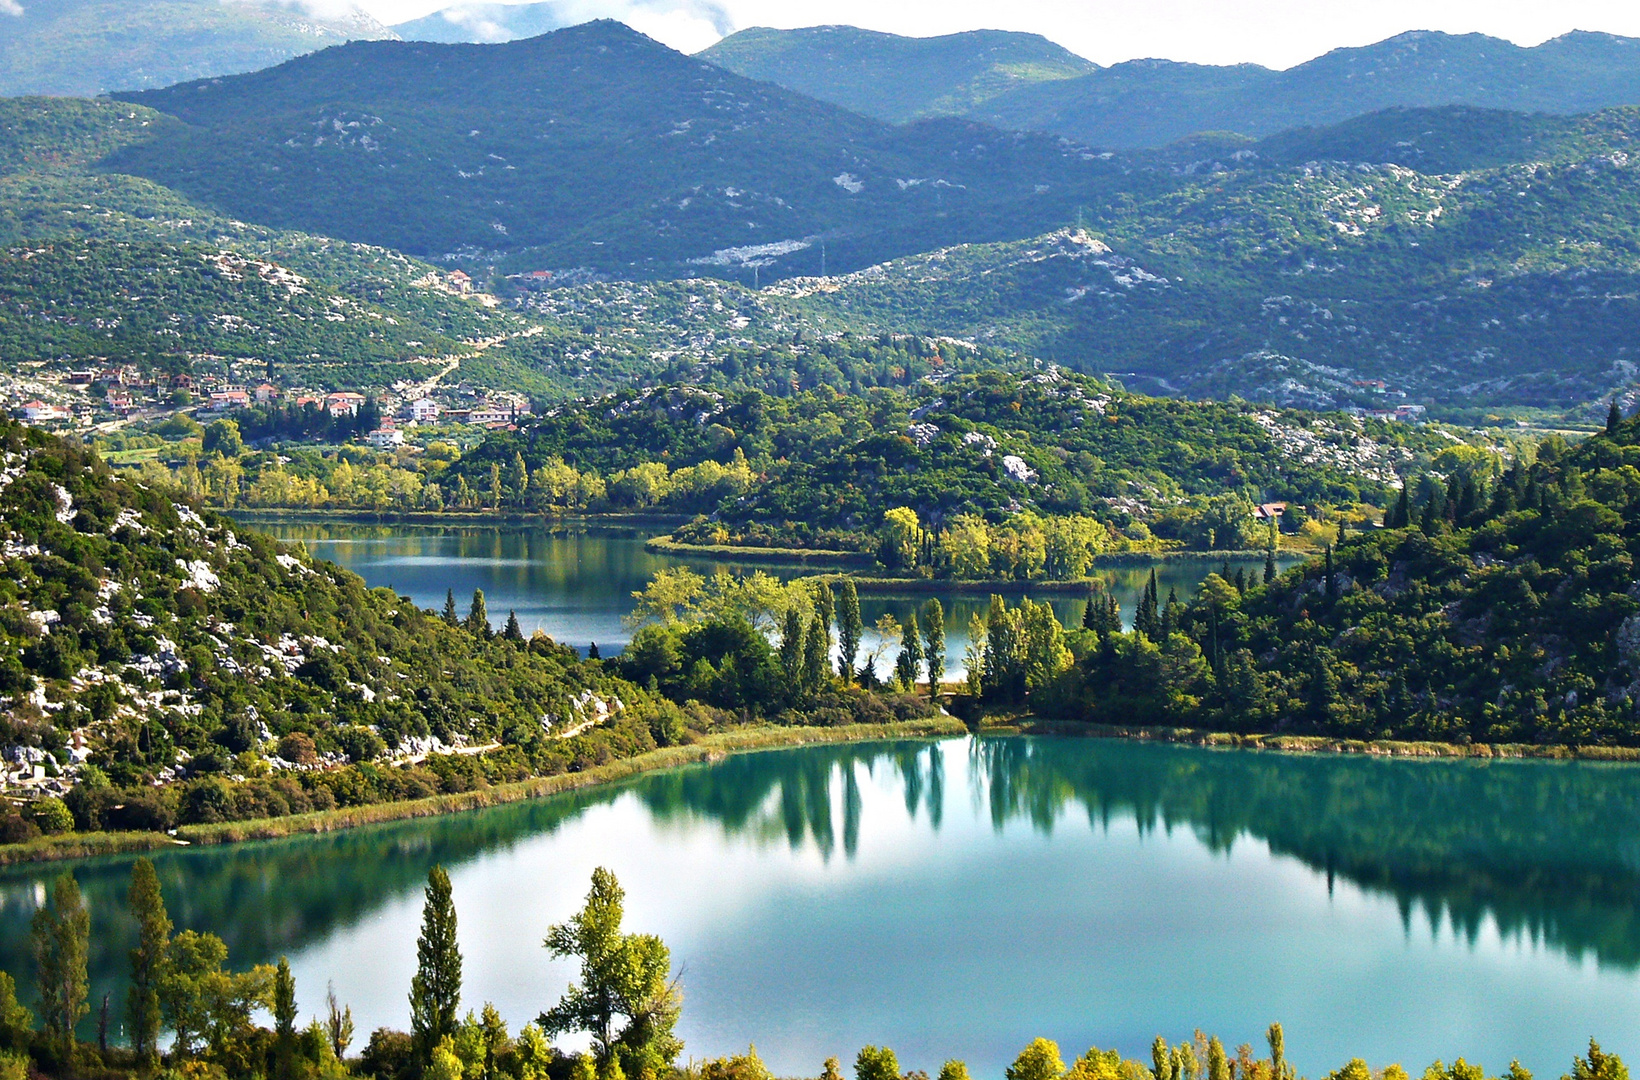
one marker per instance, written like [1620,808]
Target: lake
[958,898]
[575,581]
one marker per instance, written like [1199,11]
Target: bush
[15,829]
[389,1055]
[50,815]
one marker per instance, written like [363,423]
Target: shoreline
[1308,744]
[265,514]
[716,747]
[710,748]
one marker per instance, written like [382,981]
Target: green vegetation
[1489,611]
[968,476]
[167,668]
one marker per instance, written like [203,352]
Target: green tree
[450,617]
[1599,1065]
[147,907]
[512,631]
[435,991]
[478,617]
[907,664]
[1038,1061]
[1218,1065]
[876,1063]
[62,934]
[791,650]
[850,628]
[954,1070]
[825,612]
[816,664]
[934,645]
[1161,1060]
[284,1020]
[622,976]
[222,437]
[16,1022]
[1279,1069]
[338,1023]
[1614,417]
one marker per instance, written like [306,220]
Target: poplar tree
[62,934]
[1218,1065]
[850,628]
[791,650]
[1278,1055]
[284,1019]
[435,991]
[147,907]
[816,663]
[934,645]
[825,610]
[910,658]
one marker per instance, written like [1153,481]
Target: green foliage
[1038,1061]
[61,934]
[435,991]
[876,1063]
[142,1003]
[624,977]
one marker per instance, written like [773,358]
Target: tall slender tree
[513,632]
[850,628]
[338,1023]
[284,1020]
[62,935]
[934,645]
[478,616]
[910,658]
[825,611]
[435,991]
[147,907]
[791,650]
[816,664]
[450,616]
[1614,416]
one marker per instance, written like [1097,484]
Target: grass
[710,748]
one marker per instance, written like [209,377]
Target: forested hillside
[1486,612]
[963,455]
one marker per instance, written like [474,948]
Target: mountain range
[88,47]
[1021,82]
[483,24]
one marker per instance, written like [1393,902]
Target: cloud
[10,7]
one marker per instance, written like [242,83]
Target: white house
[424,411]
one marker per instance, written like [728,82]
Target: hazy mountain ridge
[1153,102]
[88,47]
[482,23]
[896,78]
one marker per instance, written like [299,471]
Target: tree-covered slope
[1155,102]
[892,77]
[820,468]
[592,146]
[88,47]
[1508,611]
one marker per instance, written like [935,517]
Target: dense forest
[1497,612]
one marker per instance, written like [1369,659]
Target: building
[237,398]
[266,394]
[386,436]
[1270,511]
[460,282]
[38,412]
[424,411]
[344,403]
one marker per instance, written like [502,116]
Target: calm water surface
[959,898]
[575,582]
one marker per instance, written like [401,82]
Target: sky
[1276,33]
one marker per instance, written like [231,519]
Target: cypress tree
[850,628]
[592,651]
[1340,530]
[934,645]
[61,937]
[478,617]
[1091,615]
[910,658]
[1401,516]
[450,617]
[1269,566]
[1241,580]
[435,991]
[147,907]
[1613,418]
[1332,580]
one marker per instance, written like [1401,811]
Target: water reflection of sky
[576,584]
[959,899]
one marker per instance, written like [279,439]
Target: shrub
[50,815]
